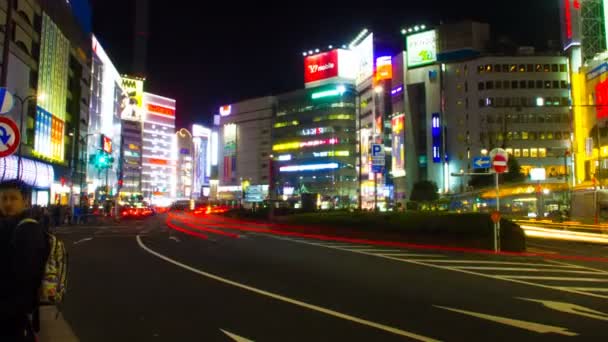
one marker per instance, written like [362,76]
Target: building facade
[159,150]
[245,147]
[520,103]
[314,144]
[202,152]
[185,164]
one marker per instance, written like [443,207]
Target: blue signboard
[481,163]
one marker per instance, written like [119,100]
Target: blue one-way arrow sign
[482,163]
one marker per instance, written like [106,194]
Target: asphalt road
[190,281]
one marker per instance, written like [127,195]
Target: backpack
[55,276]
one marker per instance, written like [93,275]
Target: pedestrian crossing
[535,271]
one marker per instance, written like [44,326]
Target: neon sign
[310,167]
[302,144]
[161,110]
[225,110]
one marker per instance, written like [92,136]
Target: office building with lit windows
[520,103]
[314,144]
[159,150]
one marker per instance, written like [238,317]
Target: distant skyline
[207,59]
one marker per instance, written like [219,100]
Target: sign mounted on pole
[378,158]
[482,163]
[10,137]
[500,159]
[7,101]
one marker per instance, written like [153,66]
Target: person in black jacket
[23,253]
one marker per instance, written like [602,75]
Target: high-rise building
[159,150]
[244,147]
[202,151]
[185,164]
[105,142]
[314,144]
[132,138]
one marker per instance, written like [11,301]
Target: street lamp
[23,102]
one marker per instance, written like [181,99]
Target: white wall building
[159,150]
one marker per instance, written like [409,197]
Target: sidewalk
[54,328]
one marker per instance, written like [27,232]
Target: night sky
[206,58]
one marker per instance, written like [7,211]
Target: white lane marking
[531,326]
[573,265]
[296,302]
[590,289]
[174,238]
[482,262]
[413,255]
[454,269]
[557,278]
[83,240]
[235,337]
[571,309]
[523,269]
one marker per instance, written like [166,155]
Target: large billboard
[398,150]
[329,65]
[230,132]
[364,59]
[421,48]
[132,107]
[570,11]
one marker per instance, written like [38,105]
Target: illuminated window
[488,68]
[524,135]
[522,68]
[549,135]
[517,152]
[509,151]
[516,135]
[513,68]
[525,153]
[480,69]
[542,136]
[542,152]
[547,84]
[500,137]
[539,68]
[534,153]
[546,68]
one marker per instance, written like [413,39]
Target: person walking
[23,253]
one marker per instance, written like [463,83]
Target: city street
[210,279]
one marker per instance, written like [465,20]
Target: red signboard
[601,99]
[106,144]
[321,66]
[161,110]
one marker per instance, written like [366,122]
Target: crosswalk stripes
[546,273]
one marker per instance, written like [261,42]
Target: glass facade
[52,89]
[315,152]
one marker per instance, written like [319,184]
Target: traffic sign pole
[497,223]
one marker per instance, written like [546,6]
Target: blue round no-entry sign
[7,101]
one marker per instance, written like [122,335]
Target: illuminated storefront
[36,174]
[159,150]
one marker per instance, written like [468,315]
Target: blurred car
[210,209]
[136,212]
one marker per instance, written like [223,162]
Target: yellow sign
[132,104]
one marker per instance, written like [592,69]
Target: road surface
[208,279]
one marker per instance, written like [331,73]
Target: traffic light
[102,160]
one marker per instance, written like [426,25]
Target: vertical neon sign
[436,134]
